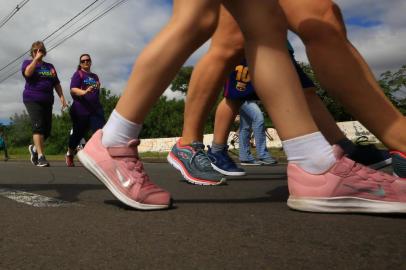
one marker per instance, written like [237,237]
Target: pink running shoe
[346,187]
[120,169]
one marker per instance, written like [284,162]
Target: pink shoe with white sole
[346,187]
[121,170]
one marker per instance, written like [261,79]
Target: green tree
[181,81]
[165,119]
[58,141]
[19,132]
[394,87]
[108,101]
[335,108]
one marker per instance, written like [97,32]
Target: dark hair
[85,54]
[38,45]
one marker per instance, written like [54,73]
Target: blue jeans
[251,117]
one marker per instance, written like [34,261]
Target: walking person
[3,144]
[41,79]
[86,111]
[111,154]
[252,118]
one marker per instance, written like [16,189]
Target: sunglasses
[39,50]
[85,61]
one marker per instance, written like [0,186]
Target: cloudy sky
[376,28]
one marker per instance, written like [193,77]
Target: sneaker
[69,160]
[346,187]
[221,162]
[250,163]
[267,161]
[42,162]
[369,155]
[194,164]
[122,172]
[33,154]
[399,164]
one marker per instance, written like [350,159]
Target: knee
[196,28]
[258,121]
[229,54]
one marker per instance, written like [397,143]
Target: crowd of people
[326,172]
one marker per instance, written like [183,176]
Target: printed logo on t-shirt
[46,72]
[90,81]
[242,77]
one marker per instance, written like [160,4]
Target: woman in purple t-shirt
[41,79]
[86,111]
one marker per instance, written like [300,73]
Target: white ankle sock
[311,152]
[119,131]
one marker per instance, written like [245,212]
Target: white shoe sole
[191,179]
[228,173]
[89,164]
[344,205]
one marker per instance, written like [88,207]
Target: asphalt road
[243,225]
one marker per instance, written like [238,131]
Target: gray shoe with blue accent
[194,164]
[267,161]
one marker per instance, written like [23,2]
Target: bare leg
[342,70]
[192,23]
[38,140]
[323,117]
[271,69]
[225,115]
[208,76]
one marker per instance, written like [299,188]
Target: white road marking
[32,199]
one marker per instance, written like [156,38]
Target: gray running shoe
[267,161]
[250,163]
[194,164]
[33,154]
[42,162]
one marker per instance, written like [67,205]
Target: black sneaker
[369,155]
[33,154]
[42,162]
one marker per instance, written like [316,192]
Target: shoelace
[200,156]
[138,174]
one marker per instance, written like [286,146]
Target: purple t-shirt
[89,103]
[39,86]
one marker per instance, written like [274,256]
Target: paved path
[243,225]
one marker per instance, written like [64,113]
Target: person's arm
[77,83]
[58,90]
[29,70]
[80,92]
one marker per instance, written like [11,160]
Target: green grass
[21,153]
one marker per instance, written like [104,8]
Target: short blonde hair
[38,45]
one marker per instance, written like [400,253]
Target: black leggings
[82,123]
[41,117]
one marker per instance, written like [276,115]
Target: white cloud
[115,41]
[383,46]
